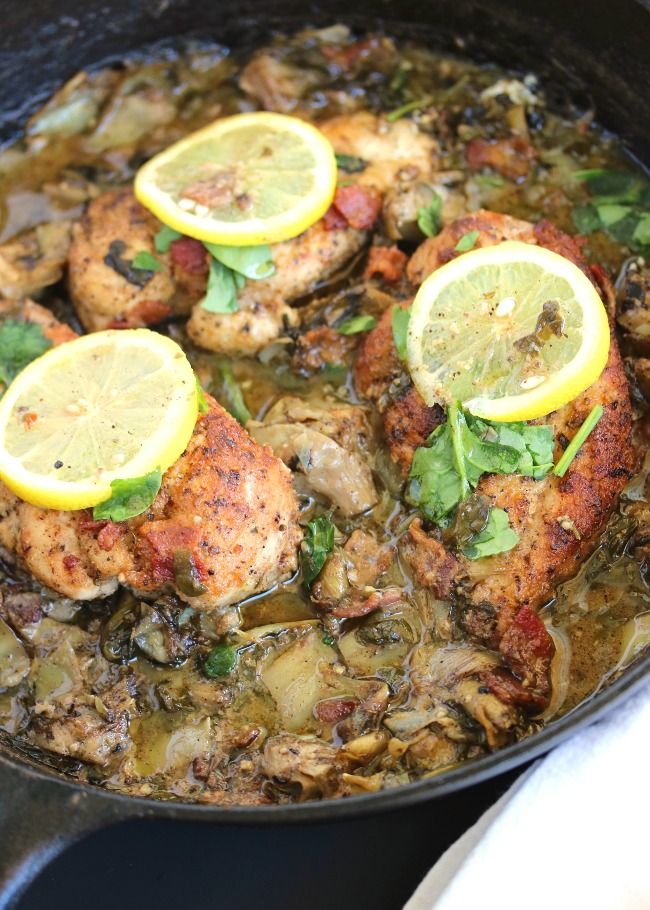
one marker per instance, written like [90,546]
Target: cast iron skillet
[585,49]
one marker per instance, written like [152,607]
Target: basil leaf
[399,323]
[20,343]
[200,394]
[351,164]
[230,395]
[610,213]
[316,546]
[357,324]
[642,230]
[129,497]
[467,241]
[496,537]
[221,292]
[586,218]
[621,186]
[429,217]
[254,262]
[145,260]
[164,238]
[221,661]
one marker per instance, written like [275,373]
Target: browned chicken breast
[558,520]
[263,312]
[223,526]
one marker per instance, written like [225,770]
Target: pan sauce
[133,675]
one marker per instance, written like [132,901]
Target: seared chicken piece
[263,312]
[34,260]
[328,445]
[558,520]
[223,526]
[106,290]
[394,151]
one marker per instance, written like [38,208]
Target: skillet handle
[39,817]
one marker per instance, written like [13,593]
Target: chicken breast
[223,526]
[394,151]
[558,520]
[106,290]
[263,312]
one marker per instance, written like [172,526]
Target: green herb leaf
[616,185]
[467,241]
[351,164]
[578,441]
[586,219]
[328,640]
[496,537]
[221,292]
[489,180]
[642,230]
[254,262]
[316,546]
[399,320]
[200,394]
[230,395]
[129,497]
[357,324]
[464,448]
[20,343]
[164,238]
[429,216]
[146,261]
[221,661]
[405,109]
[611,212]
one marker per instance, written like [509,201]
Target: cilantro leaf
[316,546]
[357,324]
[129,497]
[429,216]
[145,260]
[351,164]
[20,343]
[164,238]
[221,661]
[399,320]
[221,292]
[467,242]
[254,262]
[496,537]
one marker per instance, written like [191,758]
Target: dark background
[375,862]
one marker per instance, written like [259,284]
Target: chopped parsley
[351,164]
[164,238]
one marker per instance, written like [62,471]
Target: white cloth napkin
[573,832]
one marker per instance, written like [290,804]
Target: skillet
[587,49]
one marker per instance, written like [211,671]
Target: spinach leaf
[429,217]
[357,324]
[316,546]
[200,394]
[351,164]
[467,242]
[230,394]
[221,292]
[254,262]
[221,661]
[129,497]
[164,238]
[20,343]
[496,537]
[145,260]
[460,451]
[399,321]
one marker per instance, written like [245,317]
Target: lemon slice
[513,331]
[245,180]
[115,404]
